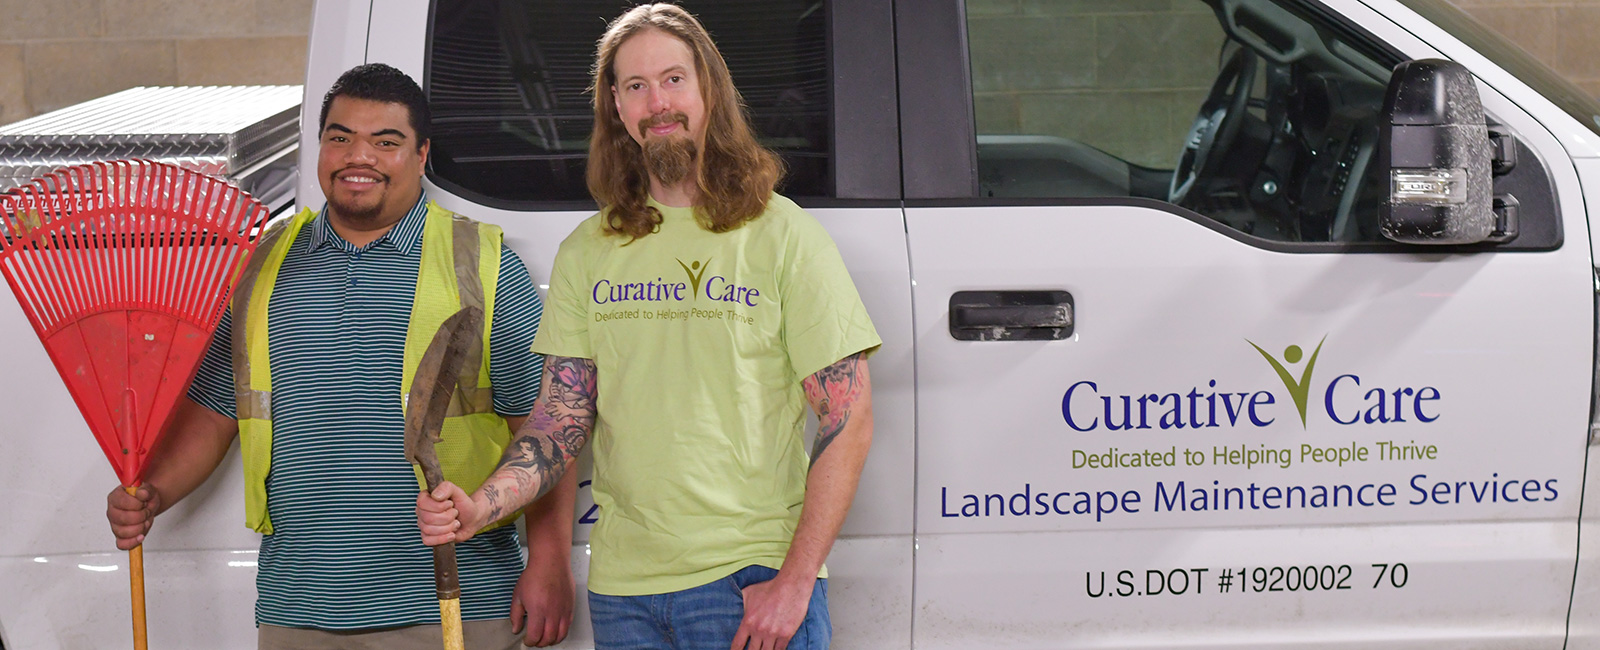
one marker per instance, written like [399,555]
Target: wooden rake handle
[136,586]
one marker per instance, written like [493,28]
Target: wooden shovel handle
[136,586]
[450,620]
[447,583]
[445,579]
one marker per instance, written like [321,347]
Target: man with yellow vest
[308,370]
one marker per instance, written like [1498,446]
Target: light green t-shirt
[701,341]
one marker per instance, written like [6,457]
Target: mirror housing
[1435,153]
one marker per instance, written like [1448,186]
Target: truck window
[507,85]
[1255,113]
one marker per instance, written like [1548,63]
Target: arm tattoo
[833,392]
[550,441]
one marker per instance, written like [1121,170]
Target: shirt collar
[404,236]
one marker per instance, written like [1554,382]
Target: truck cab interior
[1279,144]
[508,87]
[1260,117]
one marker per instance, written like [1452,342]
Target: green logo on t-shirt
[695,271]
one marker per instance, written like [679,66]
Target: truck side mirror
[1434,149]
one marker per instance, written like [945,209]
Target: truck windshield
[1512,58]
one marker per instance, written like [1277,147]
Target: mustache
[668,118]
[381,176]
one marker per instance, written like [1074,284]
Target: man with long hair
[688,326]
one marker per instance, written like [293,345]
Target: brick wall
[55,53]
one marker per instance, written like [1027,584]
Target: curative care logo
[702,283]
[1298,390]
[1088,405]
[695,270]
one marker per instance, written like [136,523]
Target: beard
[355,211]
[669,159]
[352,210]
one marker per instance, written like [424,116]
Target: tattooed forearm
[833,392]
[556,431]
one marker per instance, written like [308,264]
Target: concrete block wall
[1563,35]
[55,53]
[1112,80]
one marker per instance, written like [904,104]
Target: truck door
[511,119]
[1174,387]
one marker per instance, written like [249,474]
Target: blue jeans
[700,618]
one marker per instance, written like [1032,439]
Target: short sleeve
[824,319]
[213,381]
[514,369]
[565,331]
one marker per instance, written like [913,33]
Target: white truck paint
[1489,357]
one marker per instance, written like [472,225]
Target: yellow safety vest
[460,267]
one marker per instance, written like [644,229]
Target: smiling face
[658,98]
[370,165]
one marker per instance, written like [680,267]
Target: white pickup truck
[1206,323]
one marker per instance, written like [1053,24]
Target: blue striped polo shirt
[345,552]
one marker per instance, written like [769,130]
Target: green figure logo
[695,271]
[1297,390]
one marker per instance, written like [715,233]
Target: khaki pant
[480,635]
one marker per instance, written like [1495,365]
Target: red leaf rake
[123,269]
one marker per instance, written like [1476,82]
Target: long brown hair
[736,174]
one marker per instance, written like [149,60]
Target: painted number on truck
[588,515]
[1287,579]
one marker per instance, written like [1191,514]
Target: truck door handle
[1011,315]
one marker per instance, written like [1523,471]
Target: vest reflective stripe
[473,436]
[252,404]
[252,374]
[460,266]
[255,404]
[469,397]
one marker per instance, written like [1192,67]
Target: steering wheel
[1216,125]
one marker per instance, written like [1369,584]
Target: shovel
[426,405]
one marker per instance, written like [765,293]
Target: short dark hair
[380,82]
